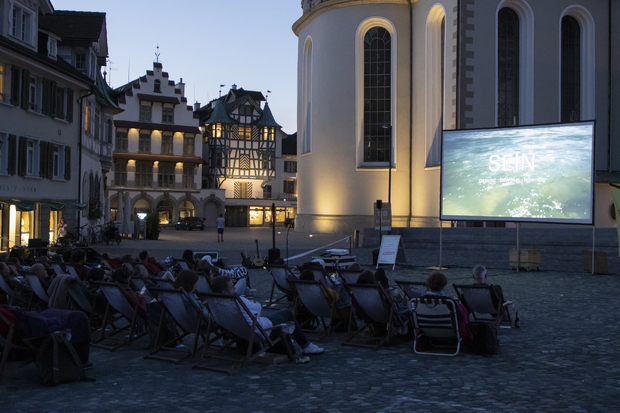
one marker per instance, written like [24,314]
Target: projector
[336,252]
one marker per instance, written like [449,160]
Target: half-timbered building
[242,155]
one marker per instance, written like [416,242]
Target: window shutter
[12,152]
[25,88]
[67,163]
[22,160]
[70,104]
[15,85]
[45,107]
[50,160]
[43,159]
[52,107]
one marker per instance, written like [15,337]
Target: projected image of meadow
[527,173]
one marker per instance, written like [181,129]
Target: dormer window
[80,61]
[52,48]
[21,23]
[157,86]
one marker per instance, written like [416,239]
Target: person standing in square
[220,228]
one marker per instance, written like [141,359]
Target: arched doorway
[211,213]
[165,210]
[141,205]
[186,209]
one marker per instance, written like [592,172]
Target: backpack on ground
[57,361]
[485,339]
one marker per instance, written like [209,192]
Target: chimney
[196,105]
[234,87]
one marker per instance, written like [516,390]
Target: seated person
[330,295]
[188,257]
[152,268]
[236,274]
[480,278]
[400,306]
[39,270]
[435,284]
[187,280]
[33,324]
[122,276]
[78,260]
[317,267]
[22,291]
[114,262]
[223,285]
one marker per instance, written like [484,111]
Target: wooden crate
[600,262]
[528,258]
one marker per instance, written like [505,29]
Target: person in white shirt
[220,228]
[224,285]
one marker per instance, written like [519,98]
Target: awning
[25,205]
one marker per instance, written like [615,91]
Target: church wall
[335,186]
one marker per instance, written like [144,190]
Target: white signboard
[391,250]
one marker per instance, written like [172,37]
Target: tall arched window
[571,70]
[435,83]
[306,99]
[377,95]
[507,67]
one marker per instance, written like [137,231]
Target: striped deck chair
[349,276]
[436,318]
[412,289]
[230,312]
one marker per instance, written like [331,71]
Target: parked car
[190,223]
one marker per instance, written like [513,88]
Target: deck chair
[478,299]
[436,318]
[349,276]
[412,289]
[377,306]
[188,316]
[230,312]
[37,288]
[80,301]
[136,282]
[70,269]
[58,269]
[161,283]
[128,266]
[19,348]
[312,295]
[184,266]
[281,275]
[107,265]
[202,286]
[118,301]
[7,290]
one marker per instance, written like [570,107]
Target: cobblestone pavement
[564,358]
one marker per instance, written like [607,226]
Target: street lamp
[389,127]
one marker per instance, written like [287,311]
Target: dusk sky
[207,43]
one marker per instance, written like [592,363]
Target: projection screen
[542,173]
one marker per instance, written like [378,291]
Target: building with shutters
[244,157]
[378,81]
[157,158]
[40,126]
[83,44]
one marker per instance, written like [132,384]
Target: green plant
[152,225]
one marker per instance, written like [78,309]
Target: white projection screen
[542,173]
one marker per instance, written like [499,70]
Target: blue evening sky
[207,43]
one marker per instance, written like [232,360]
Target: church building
[378,81]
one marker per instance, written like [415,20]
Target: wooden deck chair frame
[14,341]
[436,318]
[281,275]
[127,310]
[7,290]
[484,309]
[383,302]
[167,296]
[233,321]
[412,289]
[312,295]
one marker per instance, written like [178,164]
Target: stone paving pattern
[564,358]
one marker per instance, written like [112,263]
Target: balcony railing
[307,5]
